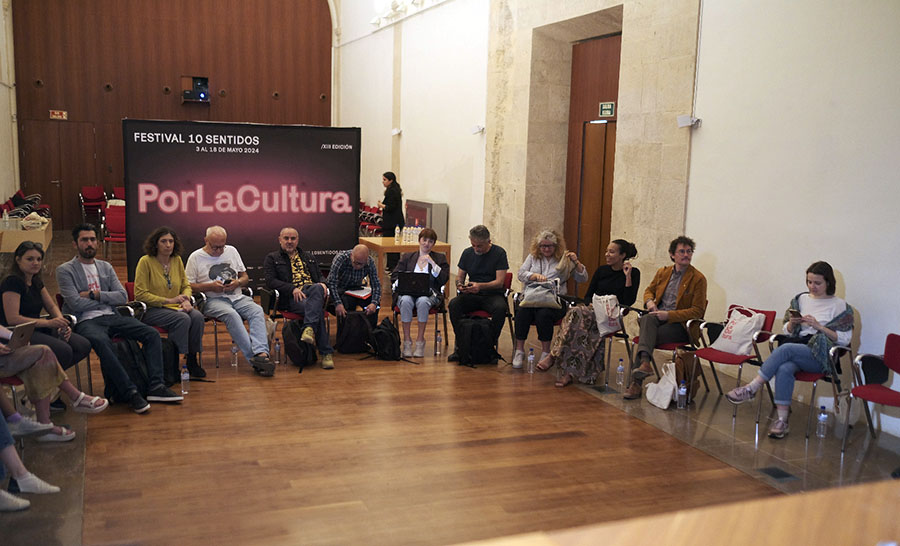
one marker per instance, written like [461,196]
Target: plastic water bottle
[682,396]
[234,352]
[185,380]
[277,359]
[822,423]
[530,368]
[620,374]
[438,341]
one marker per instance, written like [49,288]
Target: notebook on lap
[21,335]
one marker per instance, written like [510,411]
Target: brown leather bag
[687,369]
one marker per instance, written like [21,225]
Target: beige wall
[528,87]
[9,151]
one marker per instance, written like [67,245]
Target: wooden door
[57,159]
[595,193]
[39,155]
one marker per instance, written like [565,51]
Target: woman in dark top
[578,349]
[392,213]
[392,204]
[25,297]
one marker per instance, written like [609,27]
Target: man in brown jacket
[676,295]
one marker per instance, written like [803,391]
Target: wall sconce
[687,120]
[477,129]
[396,131]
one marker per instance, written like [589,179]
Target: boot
[193,365]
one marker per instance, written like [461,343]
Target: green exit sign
[607,109]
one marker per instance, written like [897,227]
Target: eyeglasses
[217,247]
[547,245]
[360,264]
[684,251]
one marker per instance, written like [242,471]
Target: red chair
[870,372]
[690,328]
[119,192]
[507,283]
[113,227]
[714,356]
[808,377]
[93,199]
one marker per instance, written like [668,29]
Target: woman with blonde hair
[548,260]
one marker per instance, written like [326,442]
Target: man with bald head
[348,270]
[218,272]
[301,290]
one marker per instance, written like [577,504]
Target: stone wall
[529,65]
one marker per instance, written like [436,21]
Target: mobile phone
[794,313]
[228,281]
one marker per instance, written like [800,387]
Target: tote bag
[737,337]
[608,313]
[660,393]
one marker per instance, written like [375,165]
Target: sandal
[779,429]
[78,405]
[64,435]
[544,364]
[564,381]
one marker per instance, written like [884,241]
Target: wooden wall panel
[250,48]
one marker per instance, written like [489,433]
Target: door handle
[57,182]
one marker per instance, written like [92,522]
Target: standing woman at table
[392,213]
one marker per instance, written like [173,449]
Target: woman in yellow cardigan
[160,282]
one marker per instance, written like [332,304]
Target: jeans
[99,330]
[783,363]
[656,332]
[422,306]
[6,440]
[185,330]
[233,314]
[313,310]
[69,352]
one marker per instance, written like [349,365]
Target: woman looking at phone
[816,321]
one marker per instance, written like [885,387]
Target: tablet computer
[21,335]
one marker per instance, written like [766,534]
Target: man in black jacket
[296,276]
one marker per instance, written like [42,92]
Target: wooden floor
[383,453]
[380,453]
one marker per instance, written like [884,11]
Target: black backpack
[299,353]
[475,342]
[132,359]
[354,333]
[171,371]
[386,341]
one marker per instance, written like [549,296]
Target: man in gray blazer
[91,290]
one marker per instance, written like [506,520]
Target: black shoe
[138,404]
[57,406]
[454,357]
[263,366]
[162,394]
[194,367]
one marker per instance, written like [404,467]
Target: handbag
[608,313]
[541,294]
[660,393]
[687,369]
[737,337]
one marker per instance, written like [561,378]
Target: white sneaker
[407,348]
[29,483]
[12,503]
[518,357]
[26,426]
[420,349]
[543,356]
